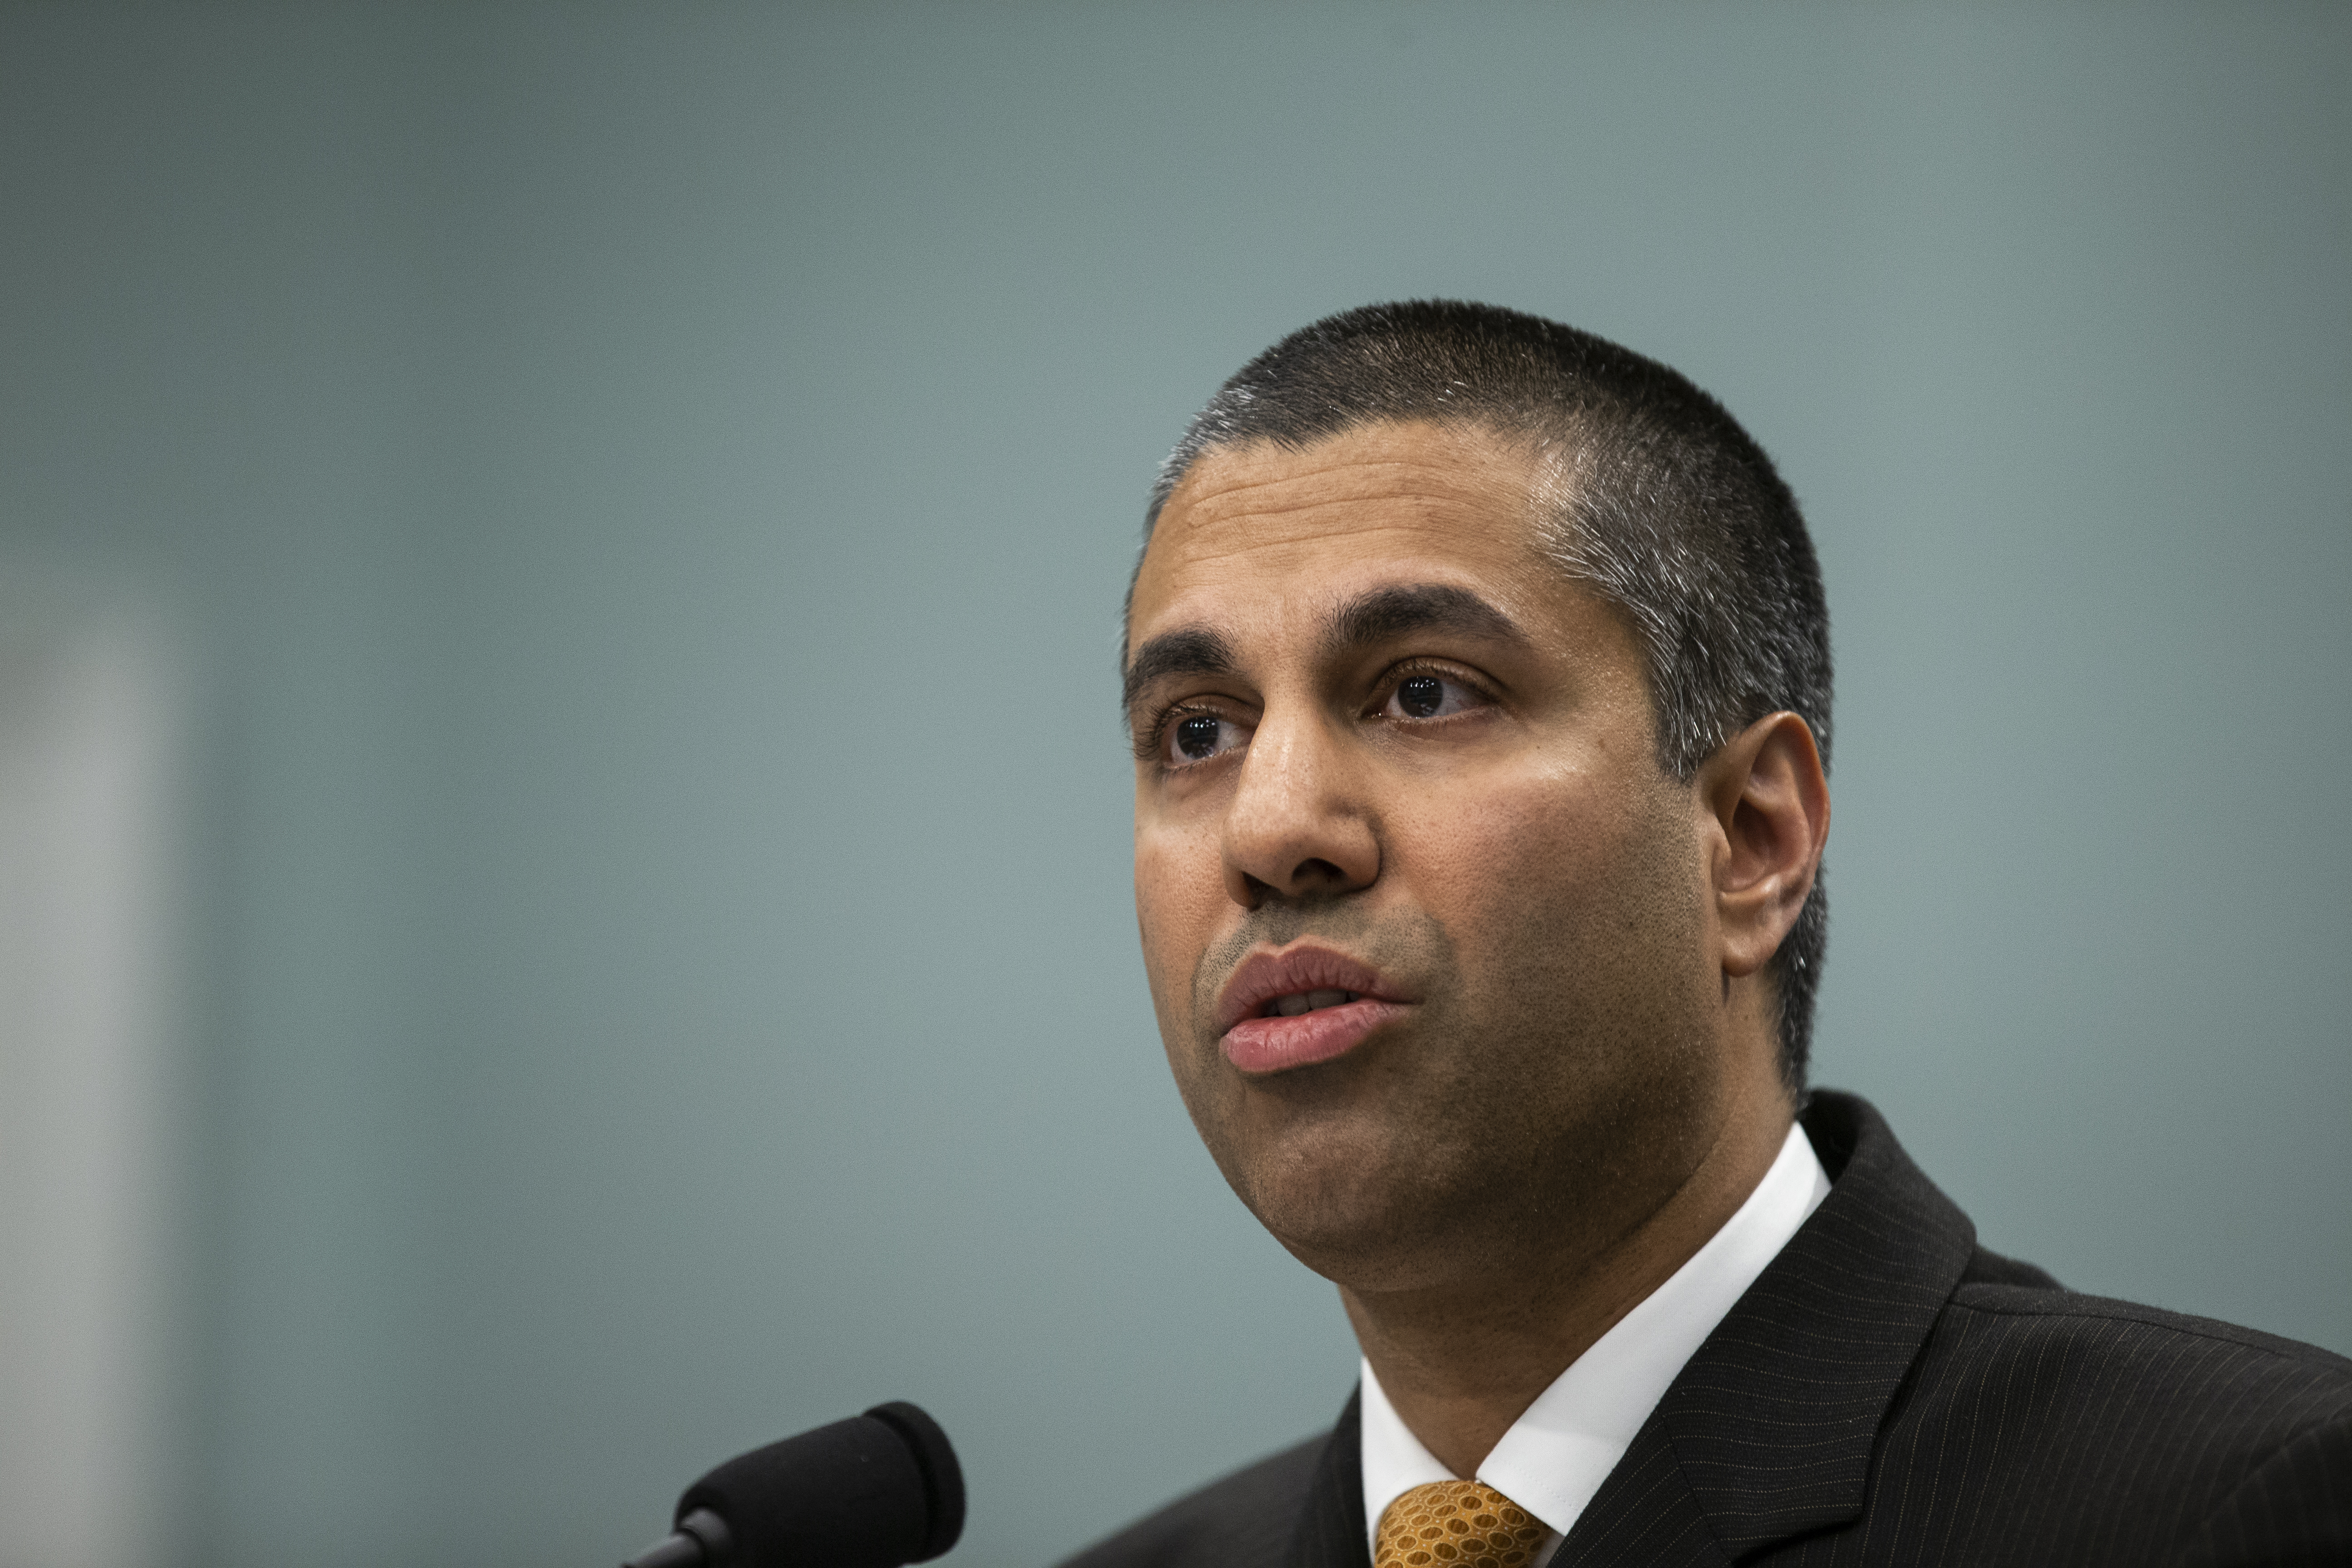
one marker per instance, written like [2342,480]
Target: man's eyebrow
[1188,651]
[1384,615]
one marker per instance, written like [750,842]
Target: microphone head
[877,1491]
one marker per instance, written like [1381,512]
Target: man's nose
[1297,825]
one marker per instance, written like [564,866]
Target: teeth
[1292,1006]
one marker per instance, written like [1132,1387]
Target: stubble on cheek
[1551,1090]
[1599,1011]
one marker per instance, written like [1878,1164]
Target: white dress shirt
[1562,1448]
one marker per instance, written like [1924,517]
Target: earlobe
[1769,801]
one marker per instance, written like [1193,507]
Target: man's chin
[1375,1257]
[1365,1223]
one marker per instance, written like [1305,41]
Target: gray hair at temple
[1669,511]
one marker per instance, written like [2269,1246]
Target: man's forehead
[1448,492]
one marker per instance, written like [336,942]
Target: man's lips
[1305,1006]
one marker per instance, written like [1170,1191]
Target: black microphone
[877,1491]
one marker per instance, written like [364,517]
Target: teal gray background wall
[646,493]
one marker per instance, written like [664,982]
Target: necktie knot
[1455,1524]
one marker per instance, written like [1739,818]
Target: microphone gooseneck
[877,1491]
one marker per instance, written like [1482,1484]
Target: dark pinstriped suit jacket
[1890,1392]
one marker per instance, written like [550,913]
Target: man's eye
[1426,696]
[1197,737]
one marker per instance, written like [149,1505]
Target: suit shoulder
[2041,1426]
[2129,1330]
[2197,1404]
[1235,1521]
[2295,1506]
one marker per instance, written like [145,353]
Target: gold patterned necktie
[1455,1524]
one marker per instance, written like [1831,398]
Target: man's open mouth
[1308,1005]
[1298,1001]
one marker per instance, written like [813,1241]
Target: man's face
[1426,926]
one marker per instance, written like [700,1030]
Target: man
[1478,674]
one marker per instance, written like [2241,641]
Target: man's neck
[1460,1361]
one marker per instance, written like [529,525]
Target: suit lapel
[1331,1532]
[1767,1433]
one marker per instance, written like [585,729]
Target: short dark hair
[1673,513]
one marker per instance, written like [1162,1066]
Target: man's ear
[1767,797]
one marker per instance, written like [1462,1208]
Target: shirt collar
[1563,1445]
